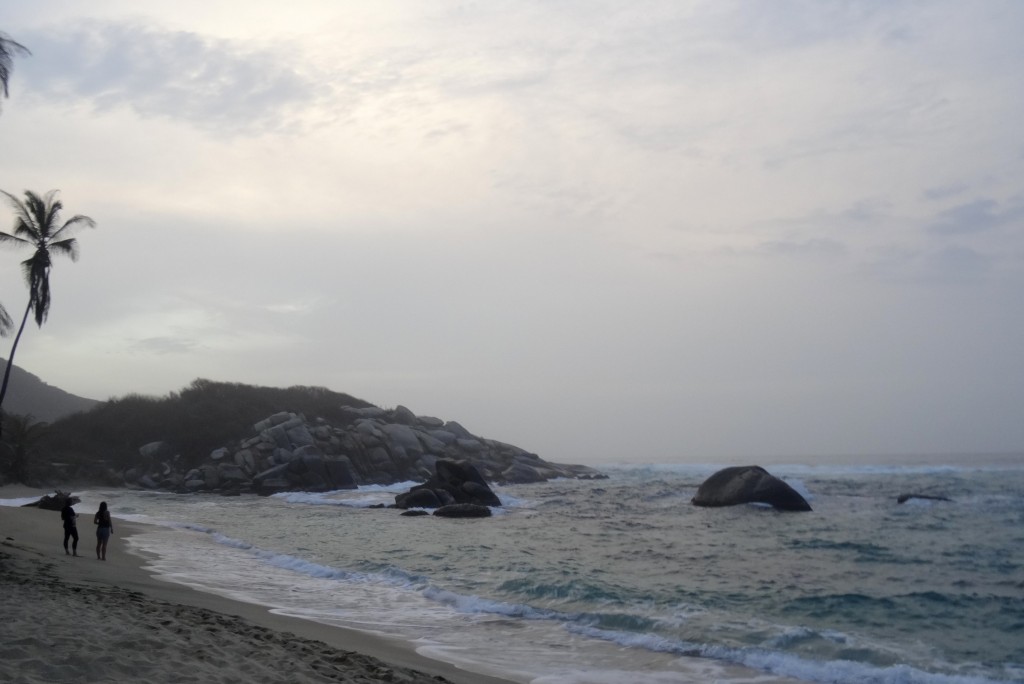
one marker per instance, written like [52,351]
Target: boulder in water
[748,484]
[457,482]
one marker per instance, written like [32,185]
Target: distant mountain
[27,394]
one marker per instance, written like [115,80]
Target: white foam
[15,503]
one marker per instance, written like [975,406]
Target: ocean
[623,580]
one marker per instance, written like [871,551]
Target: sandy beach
[77,619]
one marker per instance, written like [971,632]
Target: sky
[601,231]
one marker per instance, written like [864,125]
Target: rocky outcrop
[453,483]
[748,484]
[55,501]
[375,446]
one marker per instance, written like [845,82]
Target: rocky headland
[287,452]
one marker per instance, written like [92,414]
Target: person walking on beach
[68,515]
[104,528]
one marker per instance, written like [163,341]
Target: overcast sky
[647,231]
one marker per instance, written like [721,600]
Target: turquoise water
[623,580]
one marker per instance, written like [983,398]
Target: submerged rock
[748,484]
[903,498]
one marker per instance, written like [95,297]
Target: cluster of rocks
[455,490]
[375,446]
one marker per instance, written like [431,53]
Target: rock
[748,484]
[231,475]
[459,480]
[468,444]
[371,446]
[299,435]
[404,416]
[155,450]
[430,421]
[53,502]
[463,510]
[457,430]
[340,473]
[420,498]
[414,513]
[521,472]
[368,412]
[903,498]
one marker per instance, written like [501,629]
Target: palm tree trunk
[10,360]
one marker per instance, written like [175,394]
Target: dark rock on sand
[748,484]
[54,502]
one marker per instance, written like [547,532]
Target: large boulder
[748,484]
[452,482]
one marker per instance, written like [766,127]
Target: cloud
[945,191]
[210,83]
[949,265]
[974,217]
[816,247]
[165,345]
[957,264]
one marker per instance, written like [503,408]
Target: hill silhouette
[28,395]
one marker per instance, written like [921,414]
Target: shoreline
[78,619]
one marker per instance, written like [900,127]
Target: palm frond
[68,247]
[6,323]
[6,238]
[8,48]
[71,225]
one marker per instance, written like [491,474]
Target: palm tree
[8,48]
[5,322]
[38,226]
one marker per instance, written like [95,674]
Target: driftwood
[55,501]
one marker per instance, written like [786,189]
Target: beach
[74,619]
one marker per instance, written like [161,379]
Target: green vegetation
[23,437]
[202,417]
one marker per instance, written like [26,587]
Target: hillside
[28,395]
[231,437]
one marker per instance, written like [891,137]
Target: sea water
[623,580]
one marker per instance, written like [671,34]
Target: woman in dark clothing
[104,528]
[68,515]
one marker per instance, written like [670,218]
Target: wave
[783,664]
